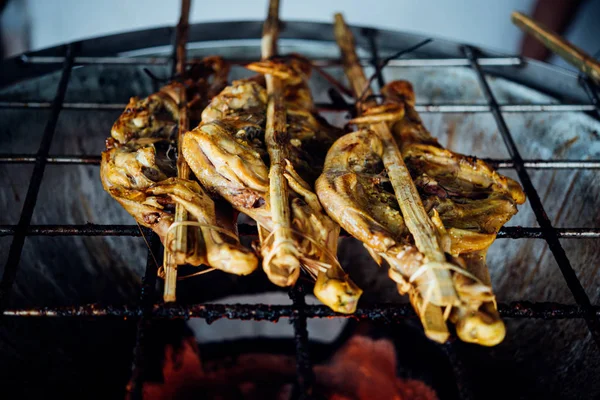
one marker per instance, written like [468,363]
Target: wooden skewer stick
[417,221]
[284,267]
[569,52]
[183,28]
[176,252]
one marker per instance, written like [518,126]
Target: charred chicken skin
[138,169]
[227,153]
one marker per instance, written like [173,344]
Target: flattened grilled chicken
[467,200]
[472,200]
[138,169]
[228,155]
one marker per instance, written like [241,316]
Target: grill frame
[101,52]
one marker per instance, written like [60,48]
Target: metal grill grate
[298,312]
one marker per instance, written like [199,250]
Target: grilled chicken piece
[228,155]
[382,184]
[355,192]
[138,169]
[467,200]
[472,200]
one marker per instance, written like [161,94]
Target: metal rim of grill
[106,50]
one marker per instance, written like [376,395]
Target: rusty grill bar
[147,298]
[298,318]
[147,310]
[388,313]
[507,232]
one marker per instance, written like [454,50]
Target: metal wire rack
[299,311]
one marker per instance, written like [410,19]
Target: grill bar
[453,62]
[517,108]
[591,90]
[298,317]
[517,232]
[147,299]
[388,313]
[65,159]
[549,233]
[155,249]
[546,164]
[370,35]
[507,232]
[452,350]
[16,247]
[422,108]
[494,162]
[159,60]
[66,106]
[74,230]
[98,60]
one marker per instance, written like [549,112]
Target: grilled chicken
[467,200]
[138,169]
[473,202]
[430,213]
[227,153]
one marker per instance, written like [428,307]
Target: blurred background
[34,24]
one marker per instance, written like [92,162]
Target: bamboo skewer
[284,261]
[416,218]
[570,53]
[182,37]
[176,252]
